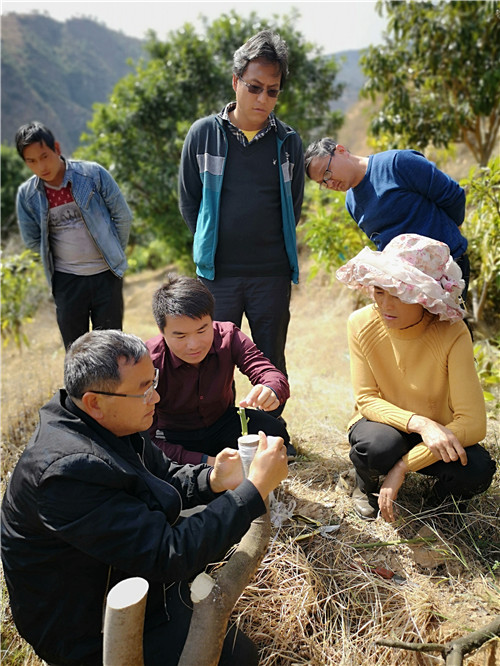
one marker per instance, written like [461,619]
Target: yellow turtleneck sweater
[427,369]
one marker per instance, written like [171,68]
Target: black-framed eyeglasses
[328,174]
[257,90]
[146,396]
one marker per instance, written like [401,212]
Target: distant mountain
[54,72]
[350,73]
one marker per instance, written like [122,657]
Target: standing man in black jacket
[92,501]
[241,184]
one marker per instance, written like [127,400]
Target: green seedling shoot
[244,420]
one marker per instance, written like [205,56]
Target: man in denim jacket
[73,214]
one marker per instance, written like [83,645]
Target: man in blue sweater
[393,192]
[241,183]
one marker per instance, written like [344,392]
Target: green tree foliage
[482,229]
[14,172]
[139,134]
[328,230]
[438,75]
[22,286]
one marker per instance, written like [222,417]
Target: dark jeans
[376,447]
[79,298]
[226,430]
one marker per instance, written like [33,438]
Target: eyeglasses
[257,90]
[328,174]
[146,396]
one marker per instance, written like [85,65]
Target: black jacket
[85,509]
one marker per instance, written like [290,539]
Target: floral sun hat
[414,268]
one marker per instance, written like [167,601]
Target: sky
[334,26]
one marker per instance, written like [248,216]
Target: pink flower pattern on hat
[414,268]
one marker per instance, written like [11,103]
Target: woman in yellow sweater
[419,405]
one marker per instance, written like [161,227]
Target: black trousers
[164,642]
[464,264]
[376,447]
[80,298]
[266,303]
[226,430]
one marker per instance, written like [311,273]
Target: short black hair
[265,45]
[182,296]
[319,148]
[34,132]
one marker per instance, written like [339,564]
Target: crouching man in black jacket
[92,501]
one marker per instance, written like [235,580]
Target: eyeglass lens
[257,90]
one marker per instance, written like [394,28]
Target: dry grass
[314,601]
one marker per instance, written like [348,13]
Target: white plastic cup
[247,446]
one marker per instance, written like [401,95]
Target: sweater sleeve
[420,175]
[466,402]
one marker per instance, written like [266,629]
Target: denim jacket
[104,210]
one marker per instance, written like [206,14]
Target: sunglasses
[257,90]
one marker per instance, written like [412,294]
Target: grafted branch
[211,615]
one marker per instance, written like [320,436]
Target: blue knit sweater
[402,192]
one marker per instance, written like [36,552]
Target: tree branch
[211,615]
[455,651]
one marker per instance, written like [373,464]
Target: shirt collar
[271,124]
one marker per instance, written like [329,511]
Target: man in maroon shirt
[196,357]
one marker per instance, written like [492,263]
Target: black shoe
[291,452]
[365,504]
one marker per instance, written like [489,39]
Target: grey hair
[92,361]
[320,148]
[266,45]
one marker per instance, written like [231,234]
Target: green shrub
[487,356]
[23,283]
[156,254]
[482,229]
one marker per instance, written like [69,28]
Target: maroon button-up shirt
[195,397]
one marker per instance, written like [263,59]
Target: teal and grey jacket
[201,175]
[103,207]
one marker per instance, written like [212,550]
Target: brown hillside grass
[315,599]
